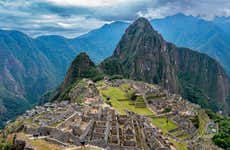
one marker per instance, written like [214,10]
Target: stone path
[66,120]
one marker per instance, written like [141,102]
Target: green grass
[100,83]
[181,134]
[203,120]
[178,145]
[117,93]
[125,86]
[162,124]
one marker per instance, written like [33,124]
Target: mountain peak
[142,20]
[141,23]
[140,36]
[80,68]
[142,27]
[83,55]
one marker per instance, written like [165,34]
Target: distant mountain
[198,34]
[58,51]
[223,23]
[98,43]
[25,73]
[143,54]
[101,42]
[209,37]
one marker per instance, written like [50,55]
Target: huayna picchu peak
[142,54]
[141,30]
[149,95]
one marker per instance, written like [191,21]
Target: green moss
[178,145]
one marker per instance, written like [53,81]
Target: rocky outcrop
[143,54]
[19,144]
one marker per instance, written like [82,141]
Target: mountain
[143,54]
[198,34]
[81,67]
[30,67]
[223,23]
[98,43]
[58,51]
[209,37]
[101,42]
[25,73]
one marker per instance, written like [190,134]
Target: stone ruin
[103,127]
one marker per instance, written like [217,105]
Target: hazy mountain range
[29,67]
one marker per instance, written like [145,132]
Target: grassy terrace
[162,124]
[165,127]
[203,121]
[178,145]
[121,102]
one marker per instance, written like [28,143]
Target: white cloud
[74,17]
[93,3]
[207,9]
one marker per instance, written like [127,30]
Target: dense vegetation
[4,145]
[222,139]
[14,107]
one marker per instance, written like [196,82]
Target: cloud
[74,17]
[206,9]
[94,3]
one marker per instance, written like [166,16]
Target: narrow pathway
[66,120]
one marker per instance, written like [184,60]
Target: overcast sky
[74,17]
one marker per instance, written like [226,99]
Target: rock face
[208,37]
[143,54]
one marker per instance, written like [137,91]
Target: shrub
[167,110]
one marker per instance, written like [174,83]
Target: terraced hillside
[119,109]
